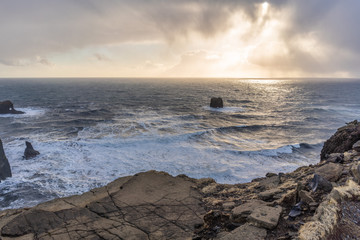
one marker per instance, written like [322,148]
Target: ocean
[91,131]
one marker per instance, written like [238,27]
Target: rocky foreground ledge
[319,201]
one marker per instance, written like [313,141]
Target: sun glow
[264,8]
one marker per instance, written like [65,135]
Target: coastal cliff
[314,202]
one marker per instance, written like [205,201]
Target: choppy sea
[92,131]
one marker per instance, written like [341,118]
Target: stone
[355,171]
[296,210]
[270,194]
[336,158]
[150,205]
[246,231]
[342,141]
[305,197]
[330,171]
[216,102]
[228,205]
[270,174]
[30,152]
[7,107]
[265,216]
[240,213]
[5,170]
[320,183]
[212,188]
[356,146]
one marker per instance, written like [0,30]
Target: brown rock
[265,216]
[240,213]
[330,171]
[246,231]
[305,197]
[343,140]
[151,205]
[228,205]
[270,194]
[356,146]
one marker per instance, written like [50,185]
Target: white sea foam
[28,112]
[78,165]
[225,109]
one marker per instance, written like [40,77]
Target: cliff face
[314,202]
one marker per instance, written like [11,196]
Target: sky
[180,38]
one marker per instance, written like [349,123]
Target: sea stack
[216,102]
[30,152]
[5,170]
[7,107]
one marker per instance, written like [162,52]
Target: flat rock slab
[330,171]
[151,205]
[264,216]
[246,231]
[240,213]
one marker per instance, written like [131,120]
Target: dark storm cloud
[44,27]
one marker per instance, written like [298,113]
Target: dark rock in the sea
[5,170]
[216,103]
[30,152]
[342,141]
[7,107]
[320,183]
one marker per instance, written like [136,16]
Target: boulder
[216,103]
[30,152]
[343,140]
[356,146]
[246,231]
[320,183]
[265,216]
[330,171]
[5,170]
[240,213]
[7,107]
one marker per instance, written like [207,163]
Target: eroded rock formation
[216,102]
[30,152]
[7,107]
[5,170]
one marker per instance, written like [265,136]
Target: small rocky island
[314,202]
[7,107]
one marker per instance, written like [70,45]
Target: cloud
[313,37]
[101,57]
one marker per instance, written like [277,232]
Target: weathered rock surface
[240,213]
[30,152]
[342,141]
[246,231]
[151,205]
[330,171]
[7,107]
[216,102]
[265,216]
[5,170]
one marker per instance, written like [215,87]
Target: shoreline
[156,205]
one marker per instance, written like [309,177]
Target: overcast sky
[179,38]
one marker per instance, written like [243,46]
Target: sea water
[92,131]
